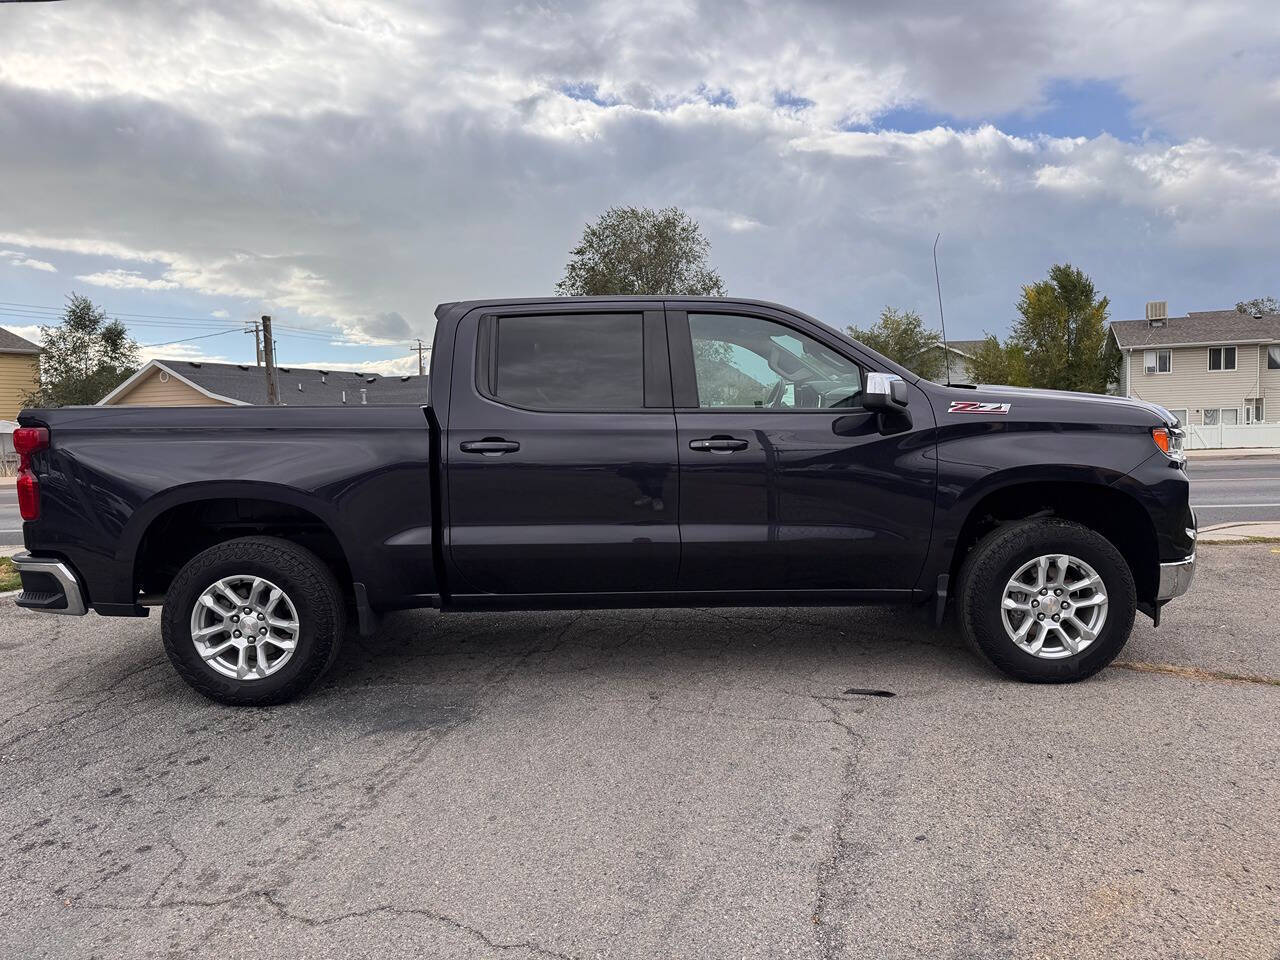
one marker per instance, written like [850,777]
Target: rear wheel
[252,622]
[1046,601]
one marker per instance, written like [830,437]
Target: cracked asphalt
[652,784]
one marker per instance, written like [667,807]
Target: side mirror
[886,394]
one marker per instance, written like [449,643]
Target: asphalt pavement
[652,784]
[1232,490]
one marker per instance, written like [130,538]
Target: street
[1235,490]
[652,784]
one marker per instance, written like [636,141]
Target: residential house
[961,352]
[1210,368]
[19,372]
[185,383]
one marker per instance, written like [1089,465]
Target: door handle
[489,446]
[719,444]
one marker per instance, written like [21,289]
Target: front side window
[569,362]
[1273,357]
[746,362]
[1222,358]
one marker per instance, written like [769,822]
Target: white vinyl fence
[1222,436]
[8,457]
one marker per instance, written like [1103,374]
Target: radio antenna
[946,350]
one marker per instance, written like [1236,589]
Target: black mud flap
[940,598]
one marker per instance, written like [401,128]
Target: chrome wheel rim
[244,627]
[1054,606]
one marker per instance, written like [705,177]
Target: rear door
[786,481]
[561,452]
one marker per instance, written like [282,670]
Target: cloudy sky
[345,166]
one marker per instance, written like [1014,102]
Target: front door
[560,454]
[785,480]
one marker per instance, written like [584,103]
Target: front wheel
[1047,601]
[253,621]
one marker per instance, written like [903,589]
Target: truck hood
[1069,405]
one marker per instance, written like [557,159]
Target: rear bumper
[1175,578]
[48,585]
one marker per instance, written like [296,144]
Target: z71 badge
[976,406]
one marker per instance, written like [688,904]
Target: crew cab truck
[606,452]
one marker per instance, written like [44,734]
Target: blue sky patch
[790,101]
[586,90]
[1072,109]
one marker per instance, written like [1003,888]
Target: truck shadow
[474,650]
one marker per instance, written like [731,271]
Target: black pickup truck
[605,452]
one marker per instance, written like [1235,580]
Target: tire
[310,599]
[987,572]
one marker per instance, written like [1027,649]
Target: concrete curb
[1239,532]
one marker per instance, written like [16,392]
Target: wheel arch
[1113,513]
[210,513]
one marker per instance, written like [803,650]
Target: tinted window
[574,362]
[749,362]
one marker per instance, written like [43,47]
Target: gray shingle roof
[1208,327]
[12,343]
[299,386]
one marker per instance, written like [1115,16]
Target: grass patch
[9,579]
[1235,540]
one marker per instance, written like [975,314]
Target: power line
[204,336]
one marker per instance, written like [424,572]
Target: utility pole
[256,329]
[422,370]
[268,348]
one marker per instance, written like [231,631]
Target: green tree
[636,251]
[1062,327]
[999,363]
[85,357]
[902,336]
[1259,305]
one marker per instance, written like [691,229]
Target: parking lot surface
[652,784]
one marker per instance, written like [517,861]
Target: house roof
[966,348]
[247,384]
[1205,327]
[12,343]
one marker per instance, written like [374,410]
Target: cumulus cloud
[180,351]
[126,280]
[221,314]
[18,259]
[360,162]
[26,331]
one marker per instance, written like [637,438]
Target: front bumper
[1175,578]
[48,585]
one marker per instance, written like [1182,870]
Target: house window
[1273,357]
[1253,410]
[1181,416]
[1157,361]
[1222,358]
[1224,416]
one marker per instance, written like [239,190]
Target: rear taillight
[26,441]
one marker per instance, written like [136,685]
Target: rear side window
[569,362]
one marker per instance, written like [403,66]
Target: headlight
[1170,442]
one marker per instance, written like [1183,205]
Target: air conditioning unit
[1158,310]
[1151,368]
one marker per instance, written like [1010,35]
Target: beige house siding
[1191,386]
[18,375]
[153,391]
